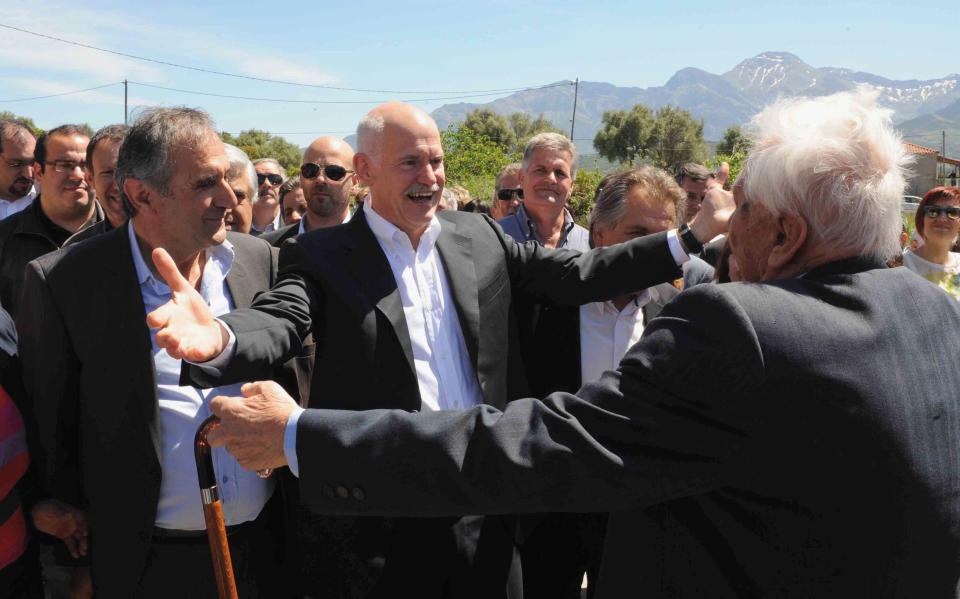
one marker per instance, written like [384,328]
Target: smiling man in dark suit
[116,428]
[409,310]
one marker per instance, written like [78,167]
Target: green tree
[493,126]
[677,138]
[524,128]
[6,115]
[260,144]
[625,135]
[473,160]
[584,188]
[733,141]
[735,161]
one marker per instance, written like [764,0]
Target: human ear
[791,236]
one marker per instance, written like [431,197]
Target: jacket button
[358,494]
[342,492]
[326,491]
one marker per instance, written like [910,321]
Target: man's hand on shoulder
[188,330]
[252,427]
[716,209]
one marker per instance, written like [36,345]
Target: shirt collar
[390,236]
[303,222]
[529,227]
[219,256]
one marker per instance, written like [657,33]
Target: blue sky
[426,47]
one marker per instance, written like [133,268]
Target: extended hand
[64,522]
[716,209]
[252,429]
[187,327]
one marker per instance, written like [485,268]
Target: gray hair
[114,133]
[448,199]
[609,203]
[836,162]
[553,142]
[695,171]
[146,152]
[240,164]
[274,162]
[368,132]
[511,169]
[14,130]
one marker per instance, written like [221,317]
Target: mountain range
[922,108]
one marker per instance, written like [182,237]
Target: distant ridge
[733,97]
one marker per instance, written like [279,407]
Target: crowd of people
[702,393]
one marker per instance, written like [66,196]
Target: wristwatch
[689,239]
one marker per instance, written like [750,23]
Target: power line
[291,101]
[77,91]
[266,80]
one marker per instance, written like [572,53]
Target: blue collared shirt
[182,409]
[521,228]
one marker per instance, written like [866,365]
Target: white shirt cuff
[676,249]
[214,365]
[290,441]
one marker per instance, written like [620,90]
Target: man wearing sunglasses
[266,210]
[17,143]
[507,194]
[328,181]
[64,206]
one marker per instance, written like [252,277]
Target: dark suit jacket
[791,438]
[337,283]
[276,238]
[89,372]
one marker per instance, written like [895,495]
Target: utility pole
[943,154]
[576,90]
[125,102]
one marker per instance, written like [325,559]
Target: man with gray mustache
[409,310]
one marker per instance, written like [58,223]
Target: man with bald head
[409,309]
[328,180]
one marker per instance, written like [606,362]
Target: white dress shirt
[607,333]
[182,409]
[10,208]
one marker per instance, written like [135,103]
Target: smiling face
[405,173]
[67,193]
[547,182]
[192,213]
[100,168]
[941,231]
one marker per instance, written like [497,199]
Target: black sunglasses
[332,172]
[274,179]
[952,212]
[505,195]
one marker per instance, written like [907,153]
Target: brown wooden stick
[220,550]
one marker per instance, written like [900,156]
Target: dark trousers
[558,549]
[181,566]
[21,579]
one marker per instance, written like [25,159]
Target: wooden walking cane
[213,511]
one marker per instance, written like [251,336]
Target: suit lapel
[456,251]
[374,277]
[241,285]
[125,303]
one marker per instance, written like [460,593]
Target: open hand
[63,521]
[252,427]
[187,327]
[716,209]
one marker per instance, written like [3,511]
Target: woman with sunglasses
[938,221]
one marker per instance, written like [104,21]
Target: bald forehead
[400,119]
[329,147]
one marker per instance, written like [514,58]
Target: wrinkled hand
[63,521]
[187,327]
[716,209]
[252,428]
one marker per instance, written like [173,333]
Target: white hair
[240,163]
[836,162]
[368,132]
[553,142]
